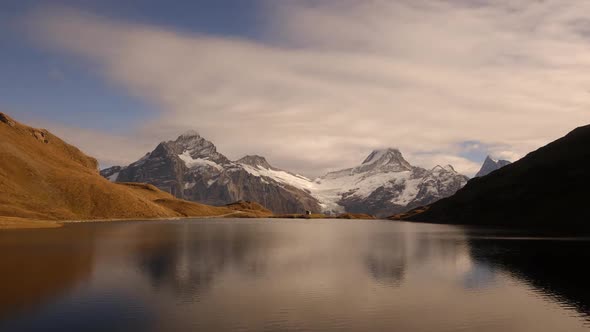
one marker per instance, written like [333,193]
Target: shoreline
[9,223]
[14,223]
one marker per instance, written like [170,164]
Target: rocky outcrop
[7,120]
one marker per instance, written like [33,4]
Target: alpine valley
[191,168]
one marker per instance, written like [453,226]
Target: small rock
[4,118]
[41,136]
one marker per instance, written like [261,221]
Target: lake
[290,275]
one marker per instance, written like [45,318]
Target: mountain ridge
[212,179]
[191,168]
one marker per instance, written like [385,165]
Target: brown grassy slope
[44,178]
[19,223]
[252,208]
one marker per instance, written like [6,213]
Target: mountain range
[44,178]
[191,168]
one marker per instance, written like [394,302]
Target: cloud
[109,148]
[333,80]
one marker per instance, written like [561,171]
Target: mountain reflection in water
[554,267]
[289,275]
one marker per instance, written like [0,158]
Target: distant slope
[547,188]
[44,178]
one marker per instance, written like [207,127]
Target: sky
[313,86]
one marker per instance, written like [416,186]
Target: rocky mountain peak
[191,144]
[490,165]
[255,161]
[192,139]
[189,133]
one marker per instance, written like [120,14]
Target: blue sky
[312,85]
[41,84]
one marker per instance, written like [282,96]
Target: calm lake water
[290,275]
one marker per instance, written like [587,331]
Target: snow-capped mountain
[490,165]
[385,183]
[191,168]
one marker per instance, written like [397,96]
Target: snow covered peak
[255,161]
[385,160]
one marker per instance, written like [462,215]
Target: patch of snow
[330,189]
[296,181]
[210,182]
[199,162]
[360,184]
[114,177]
[409,193]
[189,185]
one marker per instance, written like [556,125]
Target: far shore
[8,223]
[23,223]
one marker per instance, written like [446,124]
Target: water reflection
[187,259]
[38,266]
[288,275]
[385,258]
[554,268]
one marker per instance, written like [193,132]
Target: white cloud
[338,78]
